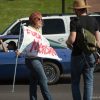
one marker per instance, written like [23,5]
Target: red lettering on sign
[38,36]
[53,52]
[35,34]
[28,31]
[35,46]
[43,49]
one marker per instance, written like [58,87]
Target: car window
[5,43]
[53,26]
[16,29]
[98,20]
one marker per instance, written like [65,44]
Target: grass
[11,10]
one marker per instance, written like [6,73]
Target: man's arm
[71,40]
[97,35]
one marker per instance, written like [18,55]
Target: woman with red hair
[35,65]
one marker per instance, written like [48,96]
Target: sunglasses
[40,19]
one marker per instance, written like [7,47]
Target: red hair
[33,16]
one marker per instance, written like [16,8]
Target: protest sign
[35,45]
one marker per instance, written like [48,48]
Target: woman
[37,74]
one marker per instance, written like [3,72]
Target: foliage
[11,10]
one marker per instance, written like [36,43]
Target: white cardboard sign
[35,45]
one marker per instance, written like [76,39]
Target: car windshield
[16,29]
[7,28]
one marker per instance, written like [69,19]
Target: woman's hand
[17,52]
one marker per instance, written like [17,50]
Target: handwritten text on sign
[34,44]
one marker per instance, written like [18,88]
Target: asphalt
[59,91]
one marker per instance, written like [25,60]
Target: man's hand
[98,61]
[97,57]
[69,45]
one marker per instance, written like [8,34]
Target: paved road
[60,91]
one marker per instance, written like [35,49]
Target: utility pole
[63,6]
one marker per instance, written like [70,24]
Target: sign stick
[14,78]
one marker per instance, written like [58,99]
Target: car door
[7,66]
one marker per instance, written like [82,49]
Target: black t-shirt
[76,24]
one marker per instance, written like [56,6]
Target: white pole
[13,88]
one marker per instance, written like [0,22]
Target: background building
[95,5]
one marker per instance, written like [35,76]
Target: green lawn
[11,10]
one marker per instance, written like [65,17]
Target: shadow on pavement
[62,80]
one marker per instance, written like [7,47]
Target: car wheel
[52,72]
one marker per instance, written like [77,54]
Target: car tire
[52,72]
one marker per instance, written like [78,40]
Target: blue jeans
[37,77]
[82,64]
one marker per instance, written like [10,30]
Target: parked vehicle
[56,27]
[53,68]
